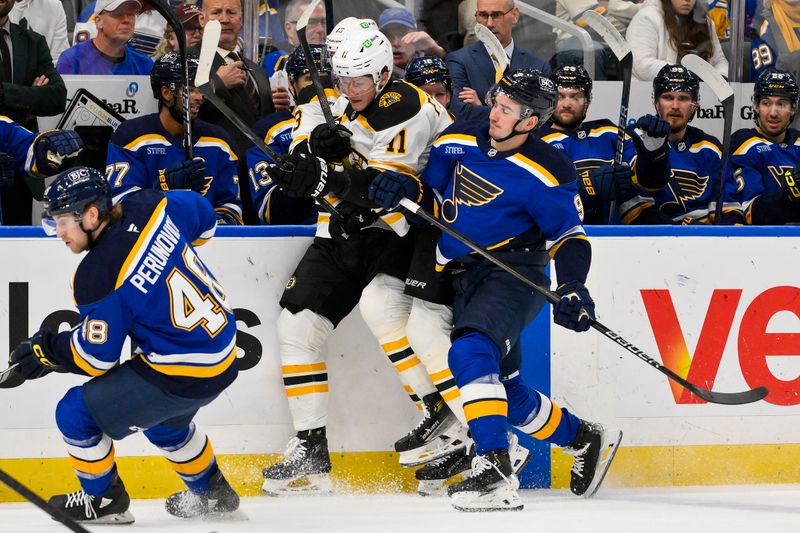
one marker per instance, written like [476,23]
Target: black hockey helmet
[529,87]
[428,69]
[73,190]
[574,76]
[296,62]
[676,78]
[776,82]
[168,70]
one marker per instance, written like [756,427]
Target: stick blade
[609,33]
[495,49]
[703,70]
[302,22]
[730,398]
[208,48]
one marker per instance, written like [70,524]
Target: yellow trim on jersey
[539,171]
[280,125]
[749,143]
[216,141]
[550,427]
[485,408]
[81,363]
[597,132]
[200,242]
[400,167]
[192,371]
[555,248]
[330,94]
[634,213]
[236,216]
[146,139]
[457,138]
[360,119]
[143,238]
[696,147]
[556,136]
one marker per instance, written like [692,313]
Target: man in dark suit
[31,88]
[241,83]
[471,69]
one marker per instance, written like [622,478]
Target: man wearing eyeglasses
[471,68]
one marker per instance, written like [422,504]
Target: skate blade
[112,519]
[502,499]
[441,446]
[434,487]
[227,516]
[311,485]
[611,440]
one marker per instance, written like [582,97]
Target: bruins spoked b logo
[468,189]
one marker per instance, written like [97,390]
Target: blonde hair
[163,45]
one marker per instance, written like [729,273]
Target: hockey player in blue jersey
[591,146]
[762,171]
[147,152]
[506,189]
[273,205]
[430,74]
[691,195]
[141,278]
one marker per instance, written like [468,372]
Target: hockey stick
[36,500]
[329,21]
[202,81]
[495,49]
[172,19]
[725,398]
[9,378]
[302,23]
[724,93]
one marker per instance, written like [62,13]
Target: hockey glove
[607,183]
[790,185]
[650,133]
[35,356]
[331,144]
[306,175]
[575,309]
[352,220]
[52,147]
[389,187]
[6,170]
[186,175]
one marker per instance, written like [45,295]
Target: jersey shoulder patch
[397,103]
[743,140]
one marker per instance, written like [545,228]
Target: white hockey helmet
[346,28]
[364,53]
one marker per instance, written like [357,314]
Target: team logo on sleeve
[468,189]
[388,99]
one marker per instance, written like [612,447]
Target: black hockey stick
[172,19]
[329,22]
[10,378]
[725,398]
[724,93]
[32,497]
[302,23]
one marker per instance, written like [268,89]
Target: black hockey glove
[389,187]
[607,183]
[6,170]
[352,220]
[186,175]
[306,175]
[790,185]
[52,147]
[35,356]
[650,133]
[331,144]
[575,309]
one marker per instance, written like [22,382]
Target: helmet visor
[63,222]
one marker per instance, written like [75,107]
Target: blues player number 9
[191,307]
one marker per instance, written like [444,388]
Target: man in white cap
[108,52]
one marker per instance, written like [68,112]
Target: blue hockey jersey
[754,168]
[141,148]
[143,279]
[525,198]
[17,142]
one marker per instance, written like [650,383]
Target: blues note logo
[468,189]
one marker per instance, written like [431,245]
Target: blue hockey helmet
[676,78]
[776,82]
[73,191]
[428,69]
[168,71]
[574,76]
[296,62]
[530,88]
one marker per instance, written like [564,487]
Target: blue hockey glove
[575,309]
[52,147]
[186,175]
[35,356]
[6,170]
[651,133]
[389,187]
[607,183]
[331,144]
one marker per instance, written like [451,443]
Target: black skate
[111,508]
[305,467]
[594,449]
[437,434]
[433,475]
[491,487]
[219,501]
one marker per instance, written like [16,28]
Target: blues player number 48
[192,306]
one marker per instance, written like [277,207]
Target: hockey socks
[189,453]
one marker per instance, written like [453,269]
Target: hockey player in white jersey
[360,255]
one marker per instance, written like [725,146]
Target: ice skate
[593,449]
[305,467]
[111,508]
[437,434]
[433,475]
[219,502]
[491,487]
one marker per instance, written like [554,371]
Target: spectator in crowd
[429,73]
[400,27]
[189,15]
[147,33]
[240,83]
[777,43]
[31,88]
[46,17]
[168,44]
[109,52]
[316,31]
[663,31]
[466,20]
[569,50]
[471,68]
